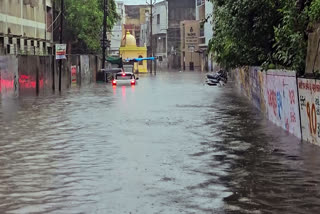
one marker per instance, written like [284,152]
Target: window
[158,19]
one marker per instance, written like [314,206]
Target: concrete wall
[309,102]
[281,97]
[274,93]
[9,79]
[38,75]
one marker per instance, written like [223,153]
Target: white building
[159,32]
[204,11]
[116,34]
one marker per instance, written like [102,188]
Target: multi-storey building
[204,13]
[135,17]
[116,34]
[190,57]
[26,27]
[177,11]
[159,33]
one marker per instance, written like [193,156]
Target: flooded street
[168,145]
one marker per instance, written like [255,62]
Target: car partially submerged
[124,78]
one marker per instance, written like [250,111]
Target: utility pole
[105,8]
[61,34]
[151,40]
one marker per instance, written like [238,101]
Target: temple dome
[129,40]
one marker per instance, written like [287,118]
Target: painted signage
[61,50]
[309,97]
[191,36]
[281,99]
[74,74]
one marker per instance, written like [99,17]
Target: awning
[140,59]
[115,60]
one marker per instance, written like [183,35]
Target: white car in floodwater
[124,78]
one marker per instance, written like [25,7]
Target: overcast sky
[135,1]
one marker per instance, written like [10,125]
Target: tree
[243,31]
[262,32]
[290,40]
[84,20]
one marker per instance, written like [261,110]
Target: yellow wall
[135,52]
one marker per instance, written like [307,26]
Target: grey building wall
[177,12]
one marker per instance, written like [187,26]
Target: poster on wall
[282,100]
[309,97]
[74,74]
[61,50]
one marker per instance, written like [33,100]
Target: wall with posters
[309,97]
[281,96]
[274,93]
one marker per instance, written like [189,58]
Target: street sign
[61,50]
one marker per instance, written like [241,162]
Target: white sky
[135,1]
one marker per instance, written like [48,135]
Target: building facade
[26,27]
[204,13]
[190,57]
[135,17]
[116,34]
[159,33]
[177,12]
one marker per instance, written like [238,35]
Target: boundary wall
[274,93]
[34,75]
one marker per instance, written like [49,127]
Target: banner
[61,50]
[74,74]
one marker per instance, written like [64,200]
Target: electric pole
[151,40]
[61,34]
[105,8]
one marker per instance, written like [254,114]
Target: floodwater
[168,145]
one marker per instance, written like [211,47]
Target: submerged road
[167,145]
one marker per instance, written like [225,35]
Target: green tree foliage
[290,43]
[84,19]
[314,11]
[243,31]
[262,32]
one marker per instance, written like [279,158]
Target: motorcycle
[219,78]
